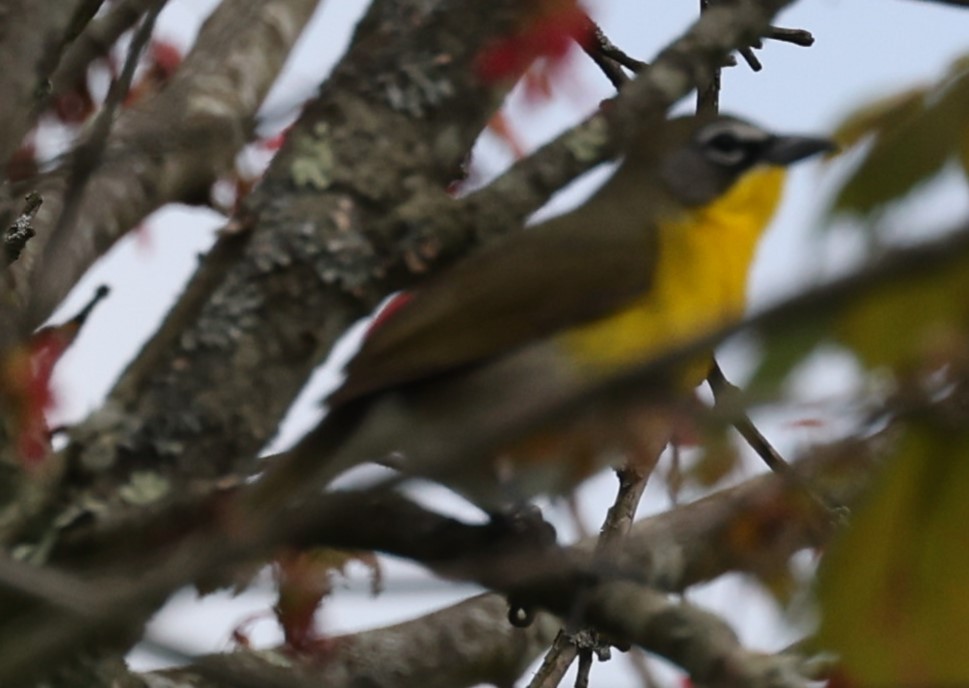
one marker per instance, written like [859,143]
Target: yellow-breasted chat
[658,256]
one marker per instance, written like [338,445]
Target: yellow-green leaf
[915,134]
[893,592]
[911,324]
[879,115]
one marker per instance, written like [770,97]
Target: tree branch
[95,42]
[270,320]
[321,260]
[436,226]
[672,551]
[466,644]
[28,55]
[168,149]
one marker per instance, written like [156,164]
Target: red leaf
[303,581]
[166,58]
[75,106]
[23,163]
[27,381]
[549,34]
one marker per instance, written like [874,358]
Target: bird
[658,256]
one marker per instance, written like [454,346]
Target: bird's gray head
[714,153]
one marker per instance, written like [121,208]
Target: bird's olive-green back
[569,270]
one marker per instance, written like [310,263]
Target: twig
[799,37]
[22,230]
[693,534]
[87,156]
[723,392]
[585,668]
[619,518]
[96,40]
[556,663]
[609,58]
[708,95]
[99,295]
[573,642]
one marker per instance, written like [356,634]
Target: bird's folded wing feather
[537,282]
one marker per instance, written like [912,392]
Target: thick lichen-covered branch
[308,268]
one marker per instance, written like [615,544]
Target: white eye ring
[726,149]
[730,143]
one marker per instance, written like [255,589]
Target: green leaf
[878,115]
[893,592]
[911,324]
[915,134]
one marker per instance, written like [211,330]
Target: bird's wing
[535,283]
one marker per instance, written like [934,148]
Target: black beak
[784,150]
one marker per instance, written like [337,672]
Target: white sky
[864,48]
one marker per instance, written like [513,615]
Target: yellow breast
[700,280]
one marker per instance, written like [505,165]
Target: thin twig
[619,518]
[585,668]
[708,95]
[87,156]
[724,392]
[573,641]
[95,41]
[607,56]
[751,59]
[556,663]
[21,231]
[798,37]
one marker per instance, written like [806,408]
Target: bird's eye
[727,149]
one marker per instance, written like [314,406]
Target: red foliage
[27,378]
[163,60]
[303,581]
[550,33]
[75,106]
[23,163]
